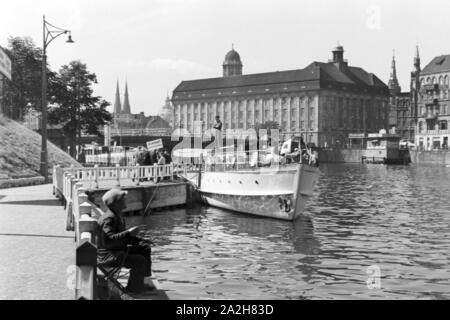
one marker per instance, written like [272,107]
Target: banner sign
[5,64]
[154,144]
[356,136]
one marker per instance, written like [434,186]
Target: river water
[391,219]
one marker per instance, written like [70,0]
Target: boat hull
[280,193]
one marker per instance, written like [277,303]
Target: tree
[73,104]
[24,89]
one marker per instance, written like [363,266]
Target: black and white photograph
[237,152]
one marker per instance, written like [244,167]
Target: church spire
[117,104]
[126,102]
[394,87]
[417,60]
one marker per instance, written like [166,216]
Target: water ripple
[395,217]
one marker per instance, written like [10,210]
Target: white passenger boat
[276,191]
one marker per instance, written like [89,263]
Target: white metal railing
[104,159]
[82,215]
[62,177]
[139,132]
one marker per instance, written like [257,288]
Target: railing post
[96,176]
[118,174]
[86,254]
[137,174]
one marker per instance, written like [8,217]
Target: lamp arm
[52,37]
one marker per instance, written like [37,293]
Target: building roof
[438,64]
[324,72]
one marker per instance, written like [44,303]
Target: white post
[118,174]
[85,209]
[96,176]
[137,174]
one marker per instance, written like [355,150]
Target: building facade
[434,105]
[324,101]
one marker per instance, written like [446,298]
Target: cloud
[177,65]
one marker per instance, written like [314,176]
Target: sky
[156,44]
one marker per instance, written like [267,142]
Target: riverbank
[341,155]
[20,150]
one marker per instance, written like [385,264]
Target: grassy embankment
[20,150]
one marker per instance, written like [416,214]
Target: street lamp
[50,32]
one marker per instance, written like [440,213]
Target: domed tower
[232,65]
[338,57]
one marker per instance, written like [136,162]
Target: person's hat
[217,117]
[112,196]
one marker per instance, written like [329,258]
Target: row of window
[441,109]
[442,80]
[442,94]
[433,125]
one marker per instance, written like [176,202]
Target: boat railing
[241,160]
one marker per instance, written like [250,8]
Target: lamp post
[50,32]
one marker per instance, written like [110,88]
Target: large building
[403,105]
[324,101]
[434,105]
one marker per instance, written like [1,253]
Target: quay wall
[430,157]
[340,155]
[441,157]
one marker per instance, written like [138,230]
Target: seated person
[114,238]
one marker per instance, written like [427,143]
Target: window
[446,80]
[443,125]
[420,126]
[441,80]
[434,80]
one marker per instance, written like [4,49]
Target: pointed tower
[417,60]
[394,87]
[414,94]
[126,103]
[117,104]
